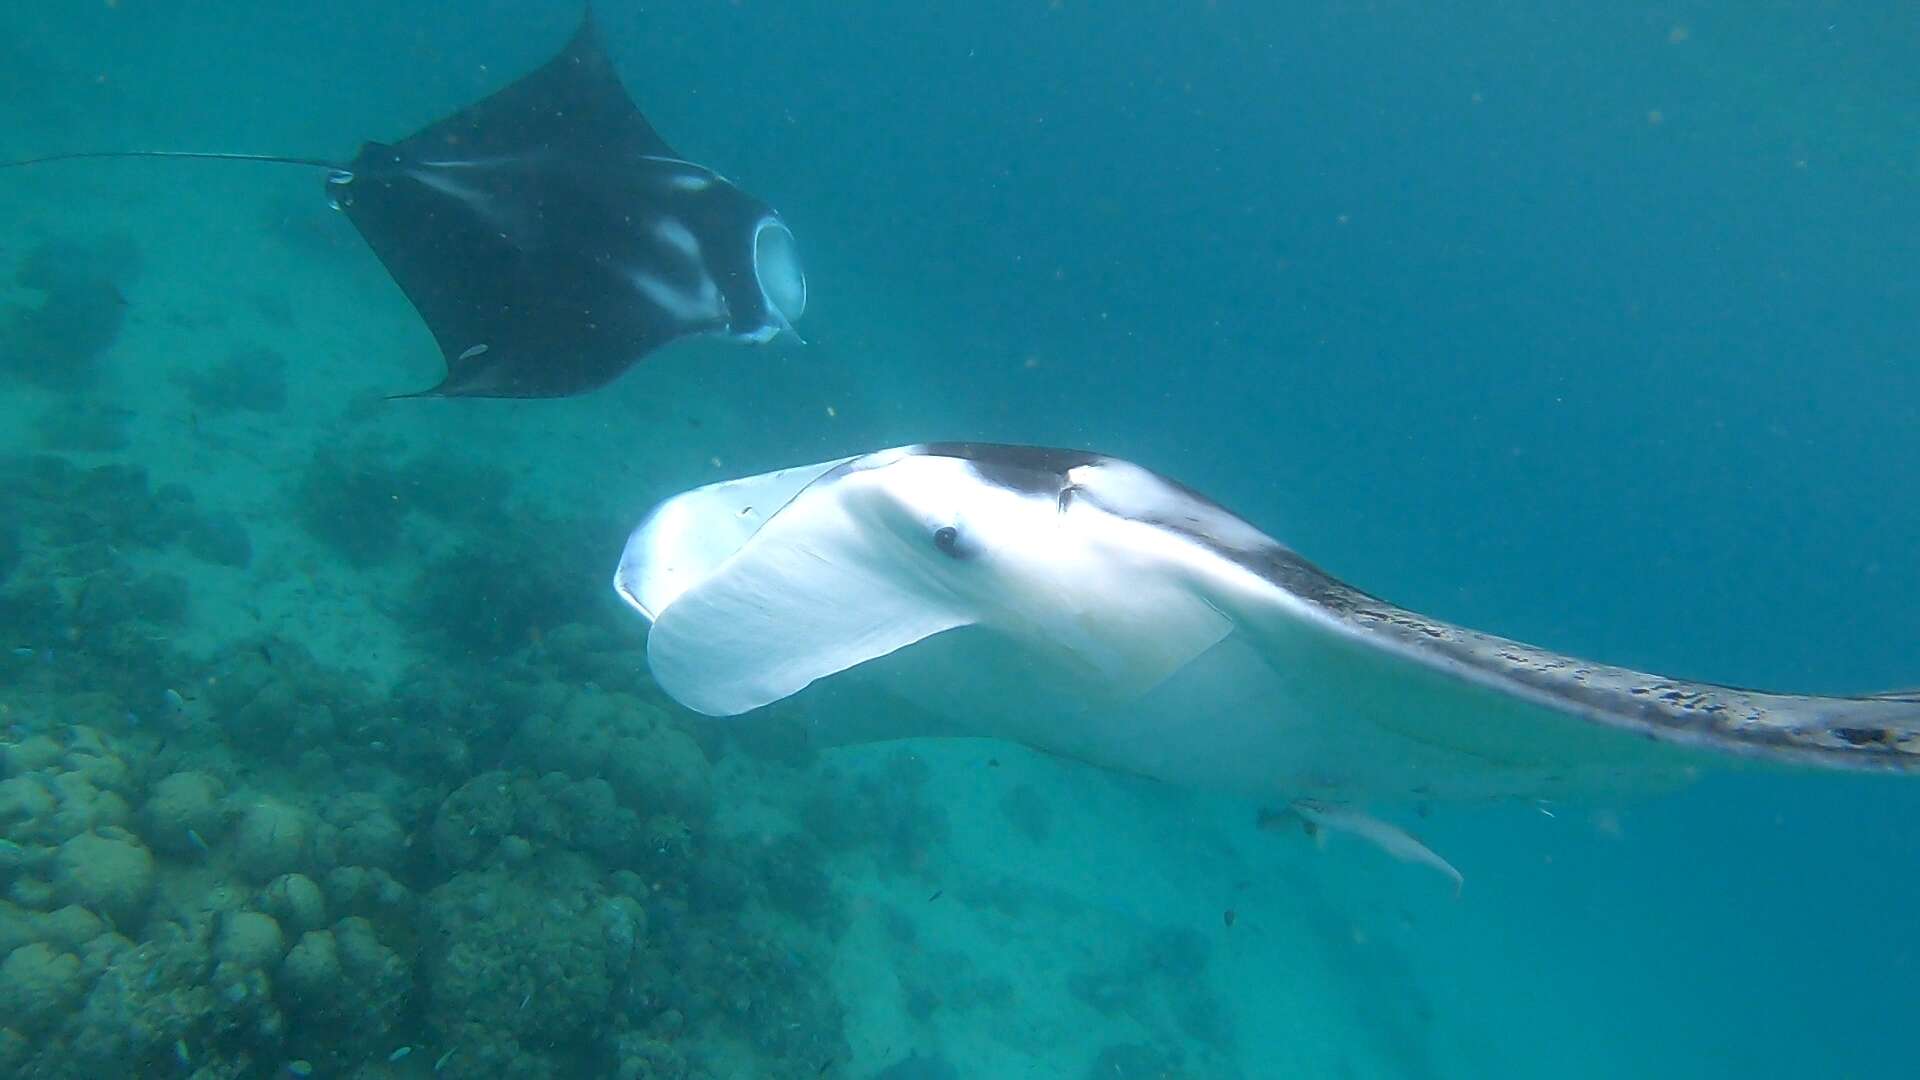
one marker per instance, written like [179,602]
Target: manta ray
[550,238]
[1090,608]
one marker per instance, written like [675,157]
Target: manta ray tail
[202,155]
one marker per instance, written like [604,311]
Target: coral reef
[82,425]
[9,549]
[58,342]
[220,538]
[1159,985]
[880,811]
[252,378]
[916,1066]
[94,612]
[650,764]
[506,856]
[1136,1061]
[502,867]
[358,499]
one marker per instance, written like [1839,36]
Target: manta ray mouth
[776,267]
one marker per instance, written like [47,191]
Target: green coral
[520,970]
[653,765]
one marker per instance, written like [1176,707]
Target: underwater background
[328,750]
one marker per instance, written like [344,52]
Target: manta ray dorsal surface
[1117,617]
[550,239]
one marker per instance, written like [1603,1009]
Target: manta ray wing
[1088,608]
[812,592]
[550,238]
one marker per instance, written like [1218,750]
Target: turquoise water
[1593,328]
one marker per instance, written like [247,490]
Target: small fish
[24,651]
[1228,916]
[175,703]
[299,1068]
[199,845]
[180,1052]
[399,1054]
[441,1061]
[936,895]
[1386,836]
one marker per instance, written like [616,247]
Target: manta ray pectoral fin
[687,537]
[813,592]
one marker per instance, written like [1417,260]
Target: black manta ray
[550,238]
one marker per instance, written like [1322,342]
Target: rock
[82,807]
[94,757]
[112,875]
[522,953]
[346,989]
[364,959]
[368,834]
[14,1052]
[916,1067]
[311,971]
[180,807]
[31,892]
[9,549]
[250,939]
[31,754]
[514,850]
[17,927]
[296,902]
[362,890]
[70,927]
[24,803]
[99,953]
[220,538]
[653,766]
[270,840]
[473,819]
[626,928]
[37,985]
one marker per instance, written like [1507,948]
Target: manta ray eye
[947,539]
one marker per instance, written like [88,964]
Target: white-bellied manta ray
[1089,608]
[550,238]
